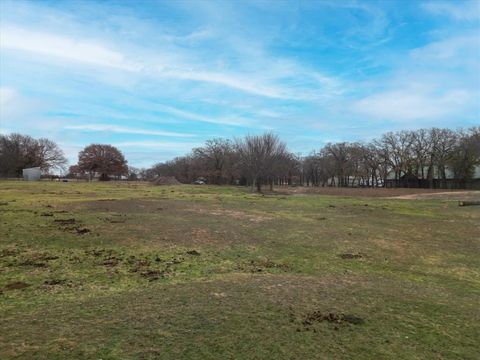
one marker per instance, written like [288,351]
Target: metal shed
[31,174]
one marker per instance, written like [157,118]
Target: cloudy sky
[156,78]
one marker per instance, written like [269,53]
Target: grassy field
[133,271]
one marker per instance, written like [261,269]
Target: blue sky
[157,78]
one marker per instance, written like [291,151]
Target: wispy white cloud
[243,82]
[7,96]
[223,68]
[95,53]
[159,145]
[125,130]
[434,82]
[183,114]
[74,49]
[412,104]
[190,38]
[15,107]
[458,10]
[452,51]
[271,78]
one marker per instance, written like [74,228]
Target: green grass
[221,273]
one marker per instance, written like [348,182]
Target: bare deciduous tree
[22,151]
[258,156]
[405,158]
[466,154]
[215,158]
[50,155]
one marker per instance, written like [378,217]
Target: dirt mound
[193,252]
[81,231]
[65,221]
[347,256]
[152,275]
[16,285]
[166,180]
[262,265]
[53,282]
[335,318]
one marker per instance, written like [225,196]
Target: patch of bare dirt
[32,262]
[152,275]
[262,265]
[120,208]
[54,282]
[119,220]
[443,195]
[111,262]
[65,221]
[33,259]
[350,256]
[334,318]
[193,252]
[150,267]
[64,225]
[99,252]
[235,214]
[9,252]
[372,192]
[16,285]
[201,236]
[82,231]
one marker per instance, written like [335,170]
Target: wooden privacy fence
[433,184]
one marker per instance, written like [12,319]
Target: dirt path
[393,193]
[444,195]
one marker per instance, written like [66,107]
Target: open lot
[134,271]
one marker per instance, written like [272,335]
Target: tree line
[425,155]
[18,152]
[422,156]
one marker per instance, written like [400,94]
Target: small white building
[32,174]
